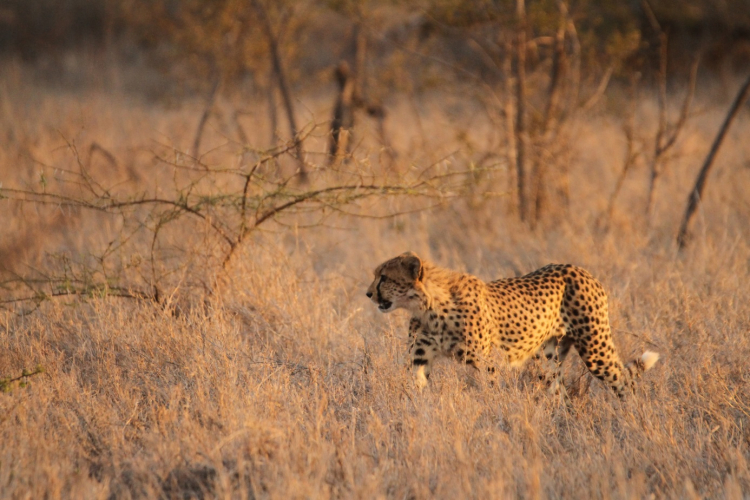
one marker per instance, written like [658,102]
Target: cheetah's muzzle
[385,305]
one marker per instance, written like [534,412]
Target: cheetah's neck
[436,287]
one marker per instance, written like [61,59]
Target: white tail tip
[649,359]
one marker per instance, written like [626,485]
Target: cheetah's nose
[369,295]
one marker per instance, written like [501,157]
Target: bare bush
[222,206]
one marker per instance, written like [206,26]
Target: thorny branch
[230,212]
[6,383]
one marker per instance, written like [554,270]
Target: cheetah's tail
[635,368]
[649,359]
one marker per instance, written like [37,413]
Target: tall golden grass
[283,381]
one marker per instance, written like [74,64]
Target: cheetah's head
[397,284]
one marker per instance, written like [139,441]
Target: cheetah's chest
[459,329]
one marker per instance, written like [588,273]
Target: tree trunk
[510,125]
[278,70]
[656,160]
[695,195]
[551,118]
[204,118]
[521,109]
[343,114]
[272,114]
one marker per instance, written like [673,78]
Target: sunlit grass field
[275,377]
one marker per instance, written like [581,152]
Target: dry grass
[289,384]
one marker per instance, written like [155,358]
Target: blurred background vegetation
[192,39]
[514,78]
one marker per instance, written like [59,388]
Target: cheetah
[542,314]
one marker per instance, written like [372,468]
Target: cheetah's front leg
[553,354]
[422,353]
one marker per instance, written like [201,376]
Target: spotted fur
[542,314]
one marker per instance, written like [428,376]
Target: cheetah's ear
[413,265]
